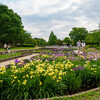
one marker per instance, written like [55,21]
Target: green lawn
[4,56]
[94,95]
[19,48]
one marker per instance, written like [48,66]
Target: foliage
[40,41]
[67,40]
[98,47]
[93,37]
[59,42]
[78,34]
[49,75]
[52,39]
[27,45]
[11,29]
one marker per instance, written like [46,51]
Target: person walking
[79,45]
[5,47]
[83,46]
[9,48]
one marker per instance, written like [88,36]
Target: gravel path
[25,57]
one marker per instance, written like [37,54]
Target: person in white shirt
[83,46]
[79,45]
[5,47]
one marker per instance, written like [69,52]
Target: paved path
[76,51]
[25,57]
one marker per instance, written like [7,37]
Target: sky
[40,17]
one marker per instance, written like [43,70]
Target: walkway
[76,51]
[25,57]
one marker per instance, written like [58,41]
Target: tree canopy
[93,37]
[78,34]
[11,28]
[52,39]
[67,40]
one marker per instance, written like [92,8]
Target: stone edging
[76,94]
[2,60]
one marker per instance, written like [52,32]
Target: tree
[40,41]
[11,29]
[78,34]
[59,42]
[93,37]
[52,39]
[67,40]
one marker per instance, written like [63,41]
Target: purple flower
[78,68]
[16,61]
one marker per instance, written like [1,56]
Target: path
[76,51]
[25,57]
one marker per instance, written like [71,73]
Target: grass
[94,95]
[4,56]
[19,48]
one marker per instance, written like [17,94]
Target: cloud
[40,17]
[41,7]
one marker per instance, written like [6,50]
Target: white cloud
[41,7]
[57,15]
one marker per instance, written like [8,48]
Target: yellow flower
[12,75]
[37,72]
[27,76]
[18,81]
[24,82]
[1,80]
[31,76]
[15,77]
[92,68]
[19,63]
[60,78]
[1,72]
[23,76]
[60,73]
[69,66]
[40,83]
[64,73]
[2,68]
[56,70]
[12,63]
[16,71]
[22,61]
[77,65]
[12,81]
[14,67]
[57,81]
[71,70]
[54,77]
[95,71]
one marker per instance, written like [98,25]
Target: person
[79,45]
[5,47]
[9,48]
[83,46]
[70,46]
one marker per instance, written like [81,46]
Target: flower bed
[49,75]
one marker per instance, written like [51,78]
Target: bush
[28,45]
[91,46]
[98,47]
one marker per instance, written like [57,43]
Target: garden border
[76,94]
[22,54]
[7,59]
